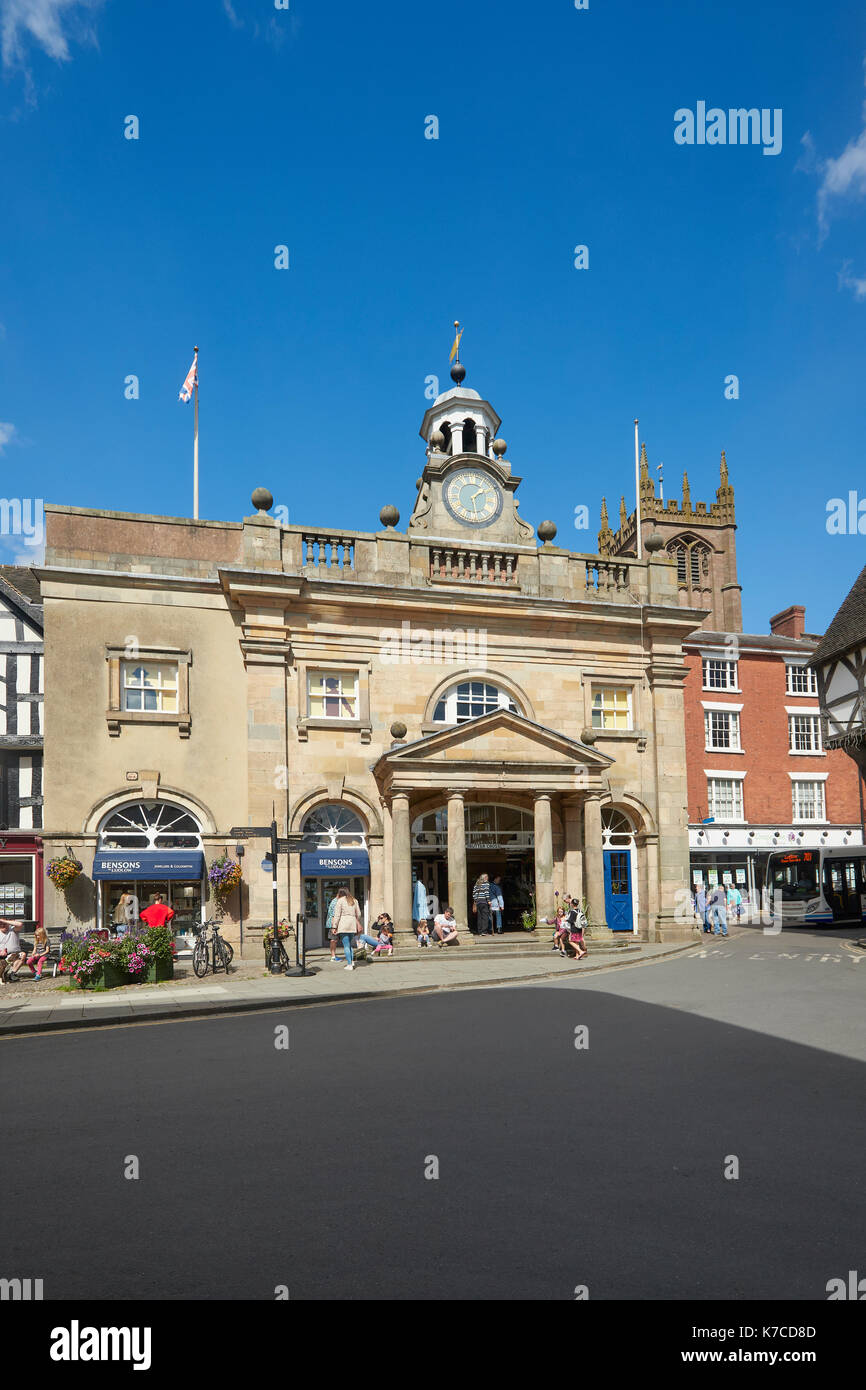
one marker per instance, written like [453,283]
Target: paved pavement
[38,1007]
[459,1145]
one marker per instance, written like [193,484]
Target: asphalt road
[558,1166]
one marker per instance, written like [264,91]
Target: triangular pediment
[501,737]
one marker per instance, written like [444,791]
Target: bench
[50,965]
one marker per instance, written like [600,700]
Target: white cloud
[841,178]
[7,434]
[856,283]
[50,24]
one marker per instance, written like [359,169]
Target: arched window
[337,826]
[469,699]
[150,825]
[693,563]
[469,445]
[446,432]
[617,831]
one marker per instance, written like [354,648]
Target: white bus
[816,887]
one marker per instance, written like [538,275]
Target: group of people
[713,907]
[345,928]
[126,913]
[488,905]
[14,955]
[569,925]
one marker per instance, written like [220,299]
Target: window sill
[341,725]
[737,752]
[115,718]
[807,752]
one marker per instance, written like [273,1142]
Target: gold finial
[455,350]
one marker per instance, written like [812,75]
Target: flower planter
[112,978]
[157,971]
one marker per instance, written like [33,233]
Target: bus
[816,887]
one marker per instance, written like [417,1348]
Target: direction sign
[249,832]
[304,844]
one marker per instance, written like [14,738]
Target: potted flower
[64,869]
[224,875]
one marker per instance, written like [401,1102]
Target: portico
[502,759]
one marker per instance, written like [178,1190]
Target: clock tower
[467,488]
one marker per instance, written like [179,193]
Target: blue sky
[305,127]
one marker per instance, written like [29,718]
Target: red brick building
[759,777]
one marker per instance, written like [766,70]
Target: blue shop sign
[336,863]
[148,864]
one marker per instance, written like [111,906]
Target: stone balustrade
[455,565]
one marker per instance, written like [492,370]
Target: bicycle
[221,951]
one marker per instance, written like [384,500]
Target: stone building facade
[429,703]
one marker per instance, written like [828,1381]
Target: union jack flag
[191,380]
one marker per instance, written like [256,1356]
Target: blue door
[617,890]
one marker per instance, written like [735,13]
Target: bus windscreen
[794,875]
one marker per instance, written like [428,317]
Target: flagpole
[639,551]
[195,447]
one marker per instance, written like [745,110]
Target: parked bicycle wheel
[199,959]
[225,959]
[229,951]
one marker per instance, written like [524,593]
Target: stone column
[593,859]
[573,862]
[480,433]
[457,885]
[544,900]
[457,440]
[401,861]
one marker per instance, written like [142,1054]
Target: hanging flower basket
[224,875]
[64,869]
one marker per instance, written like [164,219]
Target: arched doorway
[341,861]
[147,848]
[620,870]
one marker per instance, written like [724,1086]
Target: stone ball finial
[546,531]
[262,500]
[398,729]
[458,373]
[437,440]
[389,516]
[499,447]
[588,736]
[654,542]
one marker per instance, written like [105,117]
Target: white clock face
[472,497]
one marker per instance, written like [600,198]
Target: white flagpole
[195,446]
[639,550]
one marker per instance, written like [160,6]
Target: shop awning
[149,864]
[336,863]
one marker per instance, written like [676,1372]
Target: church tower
[699,538]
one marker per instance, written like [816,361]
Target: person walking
[481,905]
[329,929]
[347,924]
[497,904]
[702,909]
[159,914]
[734,900]
[717,911]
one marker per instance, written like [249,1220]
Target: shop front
[324,873]
[21,880]
[176,875]
[737,856]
